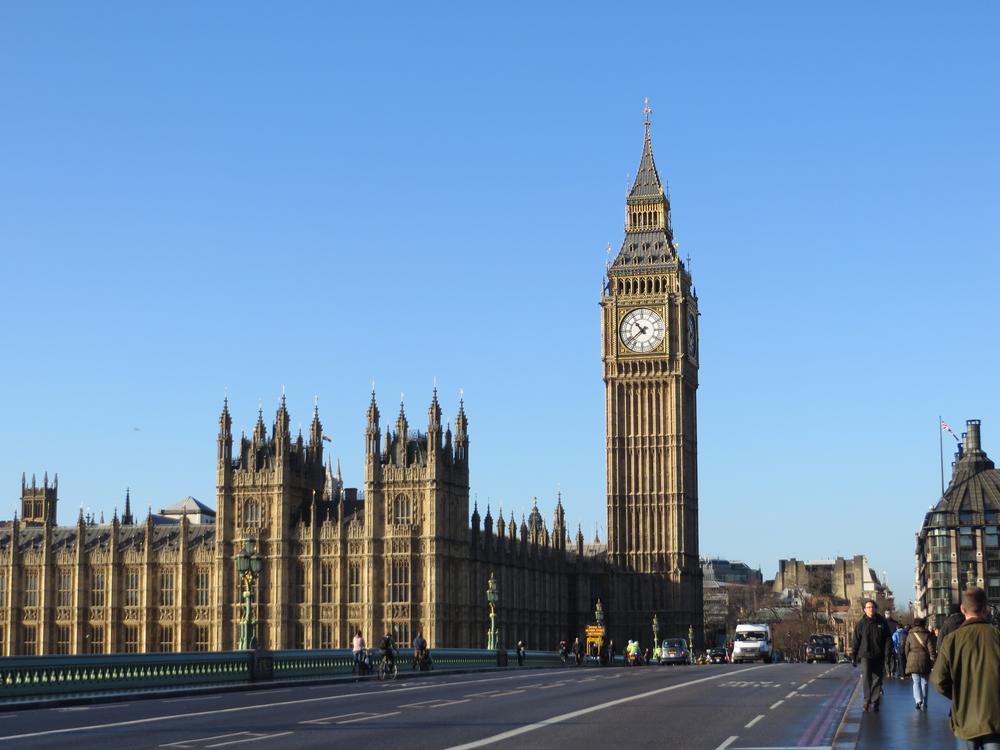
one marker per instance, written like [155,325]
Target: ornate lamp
[492,597]
[599,613]
[248,565]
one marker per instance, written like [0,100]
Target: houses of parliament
[407,553]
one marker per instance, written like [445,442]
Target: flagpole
[941,450]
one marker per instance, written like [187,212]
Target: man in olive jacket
[871,641]
[967,671]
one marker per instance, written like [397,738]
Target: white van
[752,643]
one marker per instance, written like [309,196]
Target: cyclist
[388,650]
[420,655]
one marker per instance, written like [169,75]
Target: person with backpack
[898,644]
[918,656]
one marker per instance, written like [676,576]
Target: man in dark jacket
[951,623]
[871,641]
[967,671]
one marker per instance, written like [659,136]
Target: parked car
[717,656]
[821,647]
[675,651]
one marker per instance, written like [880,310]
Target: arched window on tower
[402,510]
[251,512]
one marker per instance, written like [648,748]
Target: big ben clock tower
[649,328]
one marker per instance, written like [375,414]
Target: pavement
[897,725]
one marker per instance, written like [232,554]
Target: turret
[316,429]
[488,522]
[39,504]
[225,439]
[559,525]
[434,425]
[282,435]
[127,518]
[372,432]
[461,433]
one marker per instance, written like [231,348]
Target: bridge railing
[41,676]
[23,676]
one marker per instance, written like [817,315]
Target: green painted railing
[40,676]
[22,676]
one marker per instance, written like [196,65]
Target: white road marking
[328,719]
[251,739]
[194,698]
[590,709]
[790,695]
[753,721]
[803,687]
[450,703]
[183,743]
[367,718]
[254,707]
[276,690]
[729,741]
[775,705]
[505,692]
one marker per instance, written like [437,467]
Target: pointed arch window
[402,510]
[399,581]
[251,512]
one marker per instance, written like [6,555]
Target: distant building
[959,541]
[730,571]
[847,580]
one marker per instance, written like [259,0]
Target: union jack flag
[946,428]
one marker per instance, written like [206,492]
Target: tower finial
[646,110]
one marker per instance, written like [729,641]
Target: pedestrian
[578,651]
[891,665]
[358,649]
[520,653]
[563,650]
[967,671]
[918,656]
[611,651]
[871,642]
[951,623]
[898,644]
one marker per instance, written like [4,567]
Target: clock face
[642,330]
[692,339]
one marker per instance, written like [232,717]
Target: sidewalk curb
[849,730]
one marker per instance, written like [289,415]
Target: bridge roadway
[706,707]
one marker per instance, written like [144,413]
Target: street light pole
[492,597]
[248,564]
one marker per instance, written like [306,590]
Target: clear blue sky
[199,196]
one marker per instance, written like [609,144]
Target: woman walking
[919,654]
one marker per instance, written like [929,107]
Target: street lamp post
[248,565]
[656,633]
[492,597]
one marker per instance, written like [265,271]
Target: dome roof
[975,484]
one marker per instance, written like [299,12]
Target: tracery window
[64,597]
[201,589]
[300,585]
[402,510]
[354,583]
[326,587]
[31,589]
[251,512]
[97,588]
[399,581]
[131,587]
[167,588]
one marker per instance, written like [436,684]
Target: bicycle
[386,668]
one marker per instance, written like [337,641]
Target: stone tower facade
[38,504]
[649,328]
